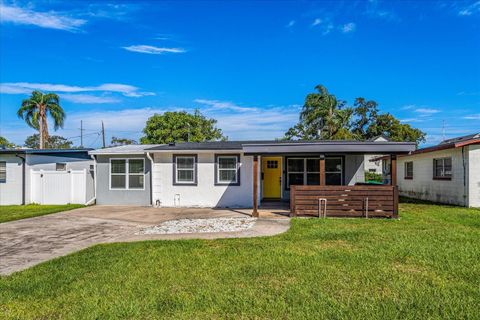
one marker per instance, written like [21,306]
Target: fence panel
[58,187]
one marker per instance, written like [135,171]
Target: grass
[11,213]
[424,266]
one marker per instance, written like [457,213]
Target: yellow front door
[272,177]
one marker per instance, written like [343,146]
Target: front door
[272,177]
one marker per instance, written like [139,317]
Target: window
[334,171]
[127,174]
[60,166]
[227,170]
[302,171]
[442,168]
[408,170]
[185,170]
[272,164]
[372,170]
[3,171]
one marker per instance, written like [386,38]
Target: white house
[446,173]
[45,176]
[234,174]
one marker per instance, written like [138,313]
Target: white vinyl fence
[59,187]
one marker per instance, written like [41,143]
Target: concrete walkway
[27,242]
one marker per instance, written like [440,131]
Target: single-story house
[446,173]
[238,174]
[46,176]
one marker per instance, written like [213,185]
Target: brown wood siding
[345,201]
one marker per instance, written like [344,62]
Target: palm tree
[37,108]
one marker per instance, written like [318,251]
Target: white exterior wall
[422,186]
[205,193]
[372,165]
[11,190]
[474,175]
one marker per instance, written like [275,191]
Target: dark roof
[44,151]
[292,146]
[460,139]
[452,143]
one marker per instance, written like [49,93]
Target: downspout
[23,177]
[149,156]
[91,201]
[465,195]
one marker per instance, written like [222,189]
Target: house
[446,173]
[45,176]
[233,174]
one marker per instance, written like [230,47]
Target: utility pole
[103,134]
[81,133]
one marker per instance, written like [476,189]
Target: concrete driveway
[27,242]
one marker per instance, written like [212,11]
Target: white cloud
[327,29]
[472,117]
[426,111]
[412,120]
[471,9]
[26,88]
[88,99]
[223,105]
[349,27]
[49,20]
[290,24]
[409,107]
[153,50]
[316,22]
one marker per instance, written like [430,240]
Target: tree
[365,112]
[53,142]
[322,117]
[121,141]
[325,117]
[390,127]
[180,126]
[5,143]
[35,111]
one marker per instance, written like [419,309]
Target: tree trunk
[41,123]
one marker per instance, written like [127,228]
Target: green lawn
[10,213]
[424,266]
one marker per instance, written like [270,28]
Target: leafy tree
[5,143]
[322,117]
[53,142]
[121,141]
[390,127]
[180,126]
[35,111]
[365,113]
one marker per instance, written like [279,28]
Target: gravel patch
[201,226]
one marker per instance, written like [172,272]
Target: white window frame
[444,177]
[194,176]
[237,171]
[4,170]
[127,174]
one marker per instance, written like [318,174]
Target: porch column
[255,187]
[322,170]
[393,169]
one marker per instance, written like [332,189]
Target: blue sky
[247,64]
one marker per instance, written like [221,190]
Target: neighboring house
[46,176]
[446,173]
[373,164]
[225,174]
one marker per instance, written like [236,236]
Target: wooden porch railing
[344,201]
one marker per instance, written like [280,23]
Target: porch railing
[344,201]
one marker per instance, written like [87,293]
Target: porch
[321,186]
